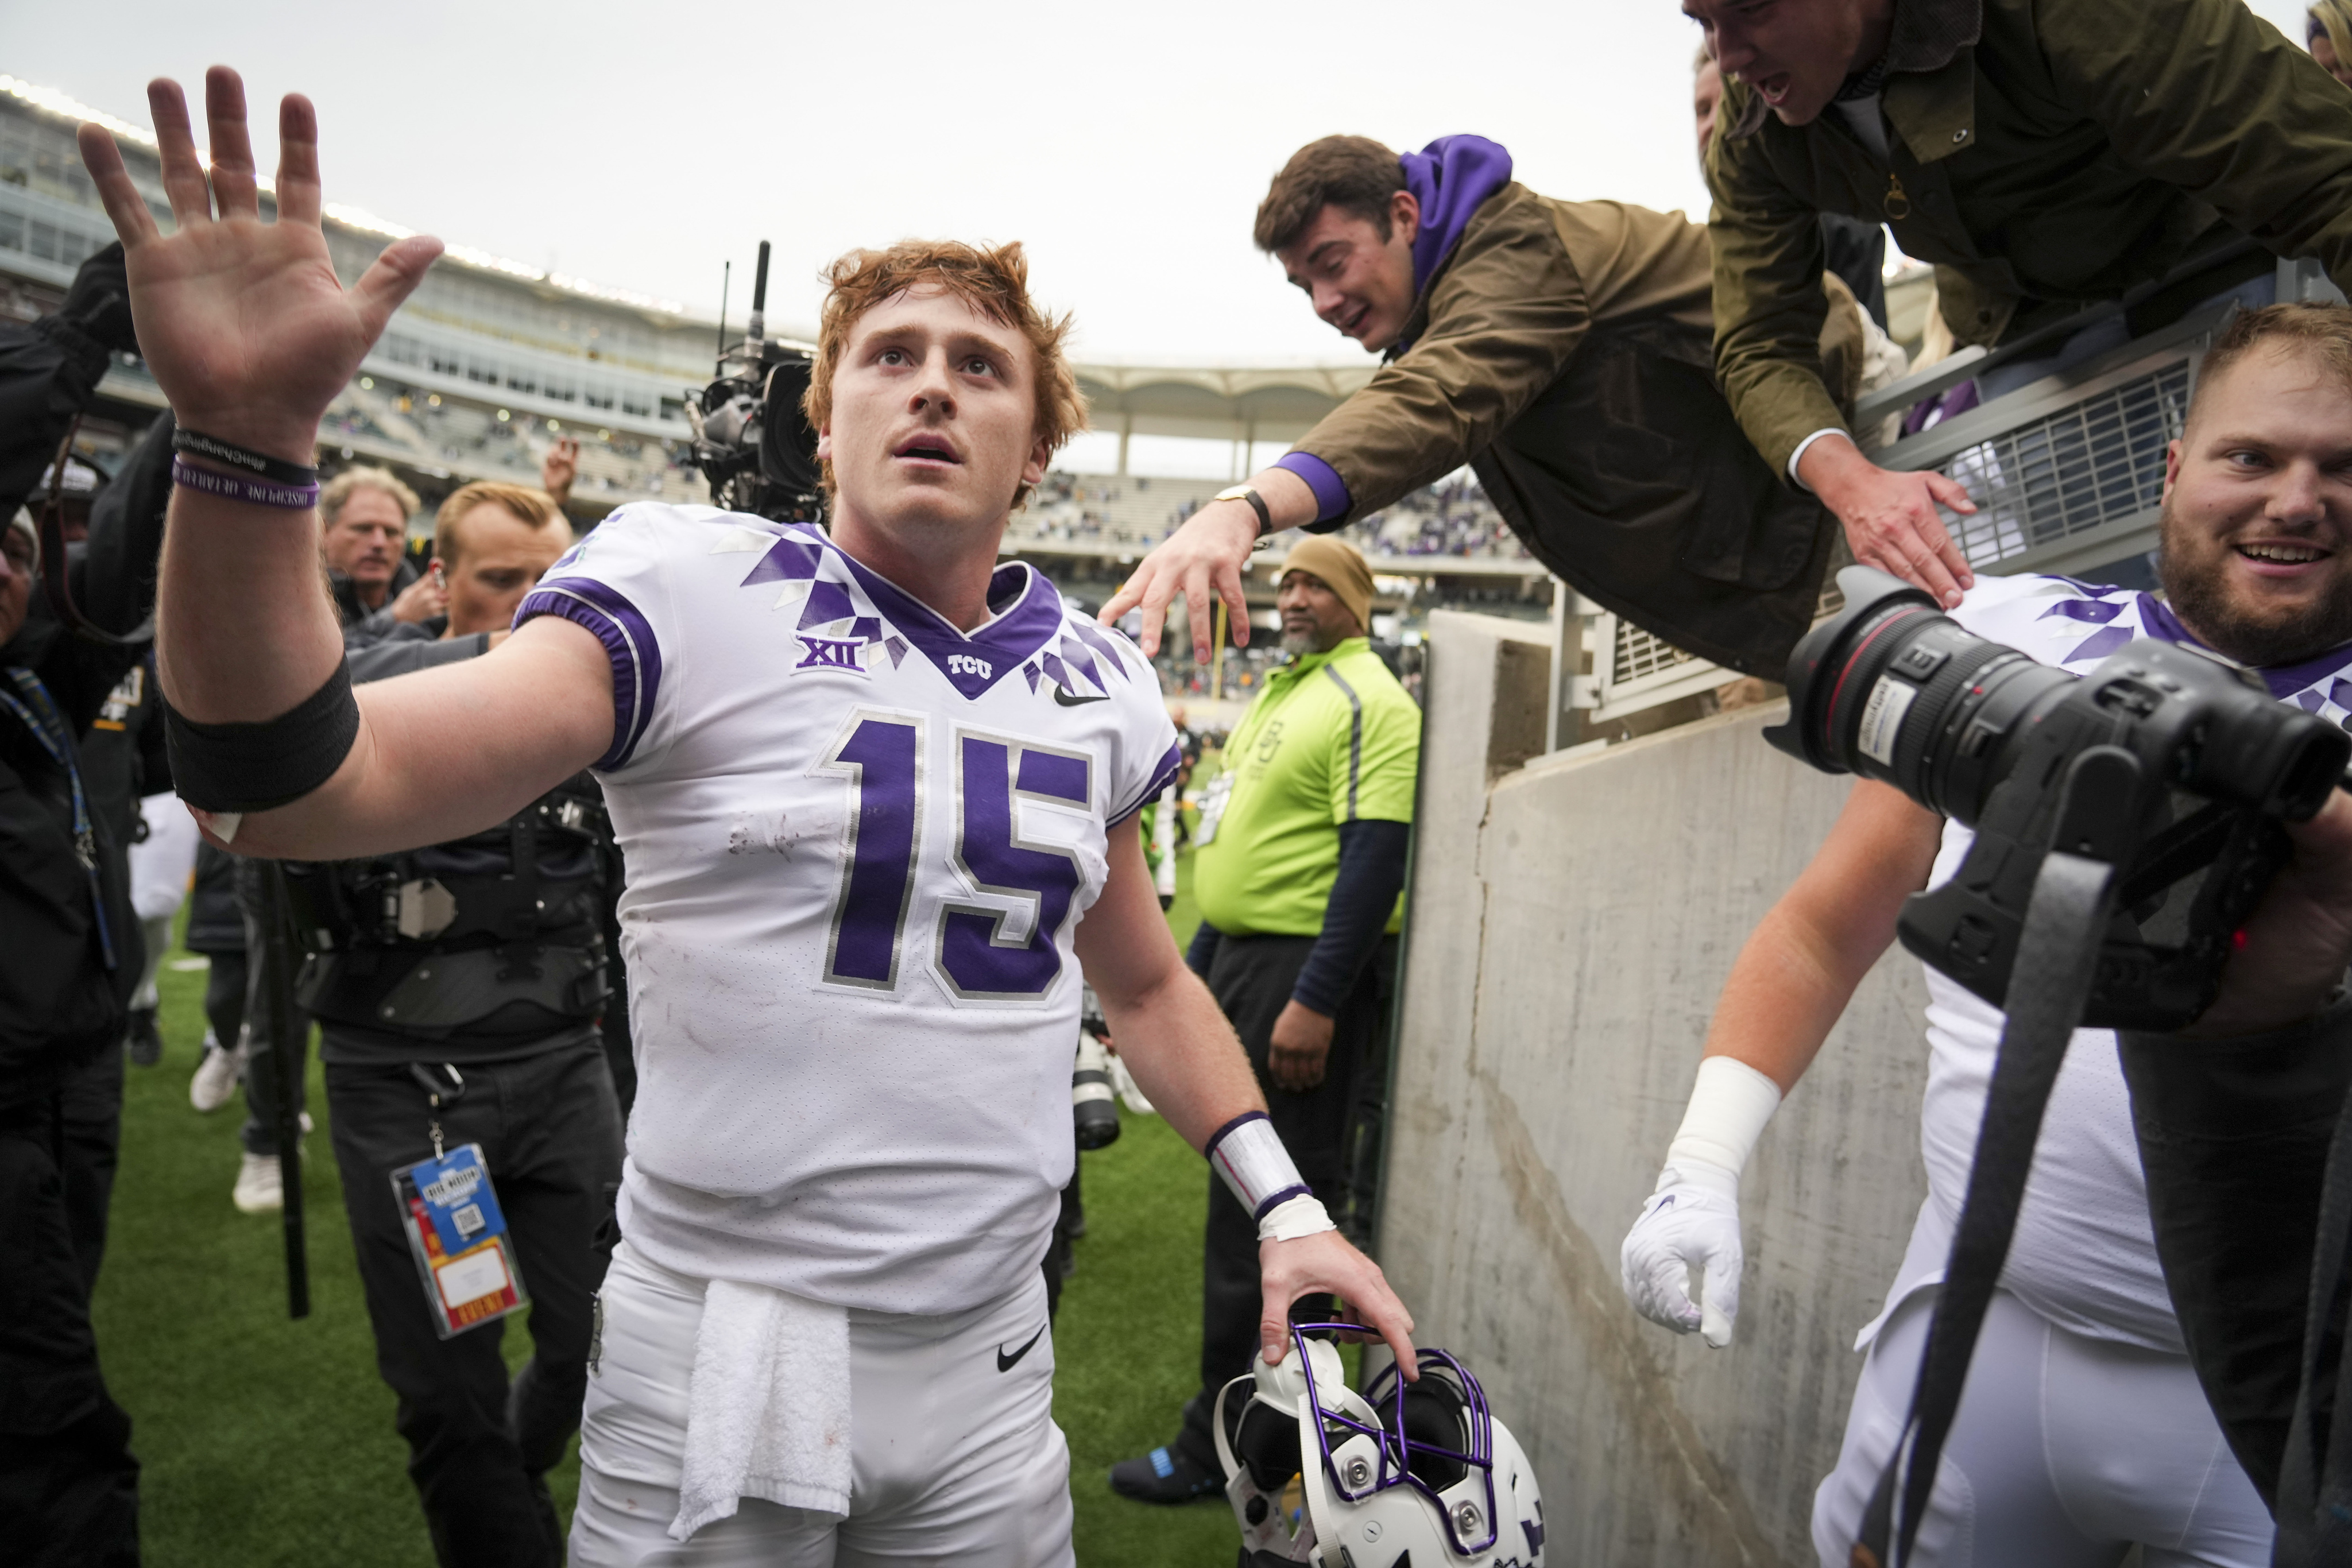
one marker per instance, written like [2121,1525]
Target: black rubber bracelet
[242,458]
[256,767]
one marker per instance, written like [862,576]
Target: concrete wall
[1571,924]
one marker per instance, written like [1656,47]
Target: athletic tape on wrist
[259,464]
[238,487]
[1248,1153]
[1729,1105]
[255,767]
[1293,1217]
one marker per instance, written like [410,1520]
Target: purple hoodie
[1451,178]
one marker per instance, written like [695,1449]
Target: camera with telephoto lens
[1094,1105]
[751,438]
[2181,766]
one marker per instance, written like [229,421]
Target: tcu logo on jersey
[965,665]
[832,653]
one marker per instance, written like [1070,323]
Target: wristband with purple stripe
[1248,1154]
[238,487]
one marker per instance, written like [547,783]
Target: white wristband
[1729,1105]
[1248,1153]
[1293,1217]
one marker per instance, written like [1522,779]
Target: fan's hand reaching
[243,322]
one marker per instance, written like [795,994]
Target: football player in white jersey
[2082,1428]
[877,797]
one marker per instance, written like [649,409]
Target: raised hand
[244,323]
[1202,557]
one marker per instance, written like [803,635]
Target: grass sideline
[267,1443]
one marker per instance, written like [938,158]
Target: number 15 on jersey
[882,756]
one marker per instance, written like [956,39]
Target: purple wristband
[238,487]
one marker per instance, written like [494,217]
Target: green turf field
[267,1442]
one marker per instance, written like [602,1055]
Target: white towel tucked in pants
[767,1411]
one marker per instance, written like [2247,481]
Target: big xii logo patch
[831,653]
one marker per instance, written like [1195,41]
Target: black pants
[225,983]
[92,1151]
[69,1486]
[1325,1128]
[479,1447]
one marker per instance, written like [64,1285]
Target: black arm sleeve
[1363,896]
[1204,949]
[2235,1139]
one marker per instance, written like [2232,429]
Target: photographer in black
[458,990]
[69,1486]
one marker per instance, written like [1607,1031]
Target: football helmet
[1404,1475]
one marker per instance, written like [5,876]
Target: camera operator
[484,990]
[69,1486]
[2082,1428]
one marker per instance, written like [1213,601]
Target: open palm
[244,323]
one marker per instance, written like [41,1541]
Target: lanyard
[31,703]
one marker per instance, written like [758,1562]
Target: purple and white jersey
[2084,1253]
[858,843]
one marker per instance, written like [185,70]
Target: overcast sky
[1126,145]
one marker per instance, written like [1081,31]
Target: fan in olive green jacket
[2043,154]
[1562,349]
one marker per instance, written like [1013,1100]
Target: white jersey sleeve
[614,583]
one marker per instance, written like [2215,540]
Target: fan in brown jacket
[1561,349]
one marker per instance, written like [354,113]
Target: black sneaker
[146,1041]
[1164,1475]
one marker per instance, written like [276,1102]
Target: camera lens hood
[1819,666]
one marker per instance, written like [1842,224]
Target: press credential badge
[459,1235]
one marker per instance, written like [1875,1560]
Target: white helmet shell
[1419,1473]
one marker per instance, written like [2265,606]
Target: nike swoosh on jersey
[1007,1363]
[1071,699]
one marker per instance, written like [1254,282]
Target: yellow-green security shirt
[1331,739]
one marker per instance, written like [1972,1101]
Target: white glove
[1692,1221]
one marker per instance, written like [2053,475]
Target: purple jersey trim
[1169,764]
[628,641]
[1331,497]
[1032,623]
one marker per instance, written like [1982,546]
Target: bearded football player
[877,797]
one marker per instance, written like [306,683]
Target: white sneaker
[217,1073]
[260,1187]
[261,1181]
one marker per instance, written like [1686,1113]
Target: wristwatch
[1257,505]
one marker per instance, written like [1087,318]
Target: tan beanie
[1341,568]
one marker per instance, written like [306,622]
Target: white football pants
[954,1456]
[2064,1452]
